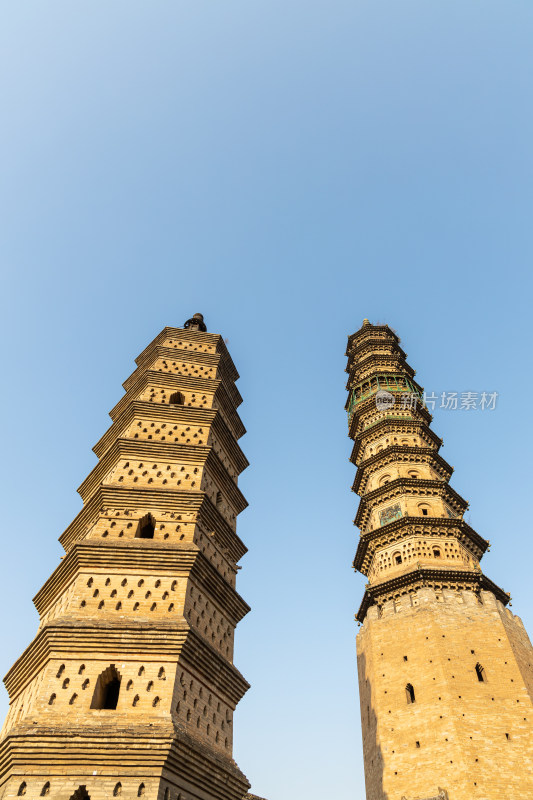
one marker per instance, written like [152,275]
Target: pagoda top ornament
[196,323]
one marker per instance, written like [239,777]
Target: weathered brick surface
[458,727]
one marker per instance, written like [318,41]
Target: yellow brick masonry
[472,737]
[144,599]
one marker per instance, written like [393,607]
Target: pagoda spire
[196,323]
[412,528]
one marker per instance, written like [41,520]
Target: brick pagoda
[445,669]
[129,686]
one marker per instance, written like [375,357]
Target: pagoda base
[158,762]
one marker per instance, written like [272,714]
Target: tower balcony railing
[388,382]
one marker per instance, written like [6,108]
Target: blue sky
[287,169]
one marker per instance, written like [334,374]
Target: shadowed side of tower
[129,686]
[445,669]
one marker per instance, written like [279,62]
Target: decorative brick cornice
[171,414]
[373,344]
[417,487]
[412,526]
[156,351]
[164,451]
[141,555]
[112,641]
[378,332]
[393,424]
[400,454]
[173,382]
[422,577]
[213,339]
[378,362]
[368,405]
[154,500]
[117,748]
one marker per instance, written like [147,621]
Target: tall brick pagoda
[129,686]
[445,669]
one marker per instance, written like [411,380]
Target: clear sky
[287,168]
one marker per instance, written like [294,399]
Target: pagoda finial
[196,323]
[365,322]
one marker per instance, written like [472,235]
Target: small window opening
[107,689]
[424,512]
[146,528]
[81,793]
[22,789]
[397,558]
[436,552]
[219,499]
[46,789]
[177,399]
[405,658]
[410,693]
[480,672]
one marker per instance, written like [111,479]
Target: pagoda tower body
[445,669]
[129,687]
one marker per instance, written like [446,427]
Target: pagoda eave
[390,451]
[167,382]
[365,331]
[111,749]
[394,424]
[213,339]
[368,404]
[111,640]
[163,451]
[414,487]
[382,363]
[193,357]
[424,576]
[425,526]
[171,414]
[132,556]
[170,501]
